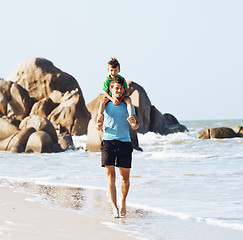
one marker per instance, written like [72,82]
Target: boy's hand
[116,101]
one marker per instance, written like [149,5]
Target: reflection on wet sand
[91,201]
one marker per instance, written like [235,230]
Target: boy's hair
[117,80]
[114,63]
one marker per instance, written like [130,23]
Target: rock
[7,129]
[157,121]
[40,123]
[239,131]
[19,141]
[42,79]
[20,103]
[204,134]
[172,125]
[15,101]
[43,107]
[65,142]
[222,132]
[94,137]
[219,132]
[39,142]
[142,104]
[71,114]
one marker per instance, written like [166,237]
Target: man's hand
[116,101]
[133,121]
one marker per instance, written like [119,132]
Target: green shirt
[106,85]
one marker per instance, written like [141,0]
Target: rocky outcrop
[37,87]
[15,100]
[35,134]
[150,119]
[219,132]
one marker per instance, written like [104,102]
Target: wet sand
[23,219]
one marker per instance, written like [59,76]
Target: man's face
[113,71]
[117,90]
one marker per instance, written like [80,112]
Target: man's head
[113,67]
[116,87]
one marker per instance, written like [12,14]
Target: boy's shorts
[116,153]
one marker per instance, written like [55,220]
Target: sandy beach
[22,219]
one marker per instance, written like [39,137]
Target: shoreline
[23,219]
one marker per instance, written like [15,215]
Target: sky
[186,54]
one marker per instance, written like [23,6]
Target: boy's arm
[108,95]
[126,94]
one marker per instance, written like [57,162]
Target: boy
[113,69]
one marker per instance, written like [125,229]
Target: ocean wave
[183,216]
[222,223]
[172,154]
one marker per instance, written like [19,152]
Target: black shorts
[116,153]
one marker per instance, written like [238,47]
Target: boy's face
[117,90]
[113,71]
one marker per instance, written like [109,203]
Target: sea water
[182,188]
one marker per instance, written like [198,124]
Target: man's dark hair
[114,63]
[117,80]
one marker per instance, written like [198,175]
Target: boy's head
[118,80]
[113,67]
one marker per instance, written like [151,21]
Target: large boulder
[142,104]
[39,142]
[40,124]
[219,132]
[14,100]
[7,129]
[239,131]
[172,125]
[43,80]
[71,114]
[40,78]
[17,141]
[43,107]
[20,103]
[222,132]
[157,121]
[204,134]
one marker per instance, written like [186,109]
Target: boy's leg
[128,101]
[103,102]
[100,118]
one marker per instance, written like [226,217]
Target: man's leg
[125,184]
[111,186]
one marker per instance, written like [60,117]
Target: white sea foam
[221,223]
[160,211]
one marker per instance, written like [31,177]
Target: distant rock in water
[220,132]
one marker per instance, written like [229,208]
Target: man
[116,147]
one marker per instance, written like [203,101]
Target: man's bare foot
[123,210]
[116,213]
[99,122]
